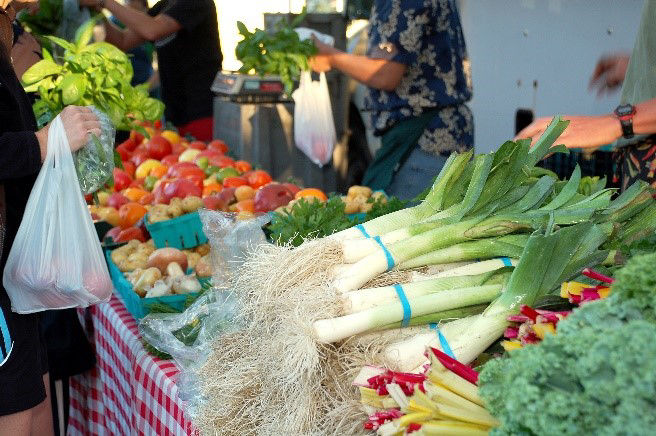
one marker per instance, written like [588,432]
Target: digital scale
[243,88]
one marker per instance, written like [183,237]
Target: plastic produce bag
[94,162]
[314,128]
[56,261]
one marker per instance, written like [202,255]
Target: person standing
[418,76]
[24,378]
[186,38]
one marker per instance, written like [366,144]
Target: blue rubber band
[443,342]
[363,230]
[407,311]
[388,255]
[506,261]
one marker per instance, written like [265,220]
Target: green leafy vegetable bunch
[88,73]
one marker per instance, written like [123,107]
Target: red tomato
[139,157]
[137,183]
[221,161]
[184,169]
[123,152]
[129,167]
[116,200]
[198,145]
[242,166]
[141,148]
[258,178]
[233,182]
[158,124]
[209,154]
[182,188]
[158,147]
[170,160]
[88,198]
[178,148]
[122,179]
[219,145]
[214,202]
[147,199]
[129,144]
[291,188]
[129,234]
[136,137]
[113,233]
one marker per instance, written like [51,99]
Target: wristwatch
[625,113]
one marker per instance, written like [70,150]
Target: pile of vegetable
[280,52]
[494,233]
[601,359]
[87,74]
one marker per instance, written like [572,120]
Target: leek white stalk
[340,328]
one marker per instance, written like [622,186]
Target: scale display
[243,88]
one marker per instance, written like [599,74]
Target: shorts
[637,162]
[415,174]
[23,361]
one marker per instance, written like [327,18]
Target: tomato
[124,153]
[116,200]
[136,137]
[129,167]
[174,170]
[171,136]
[191,173]
[129,234]
[233,182]
[137,183]
[129,144]
[135,194]
[311,193]
[121,179]
[258,178]
[130,213]
[147,199]
[158,124]
[222,161]
[178,148]
[245,205]
[158,147]
[242,166]
[170,160]
[211,188]
[146,167]
[214,202]
[159,171]
[139,157]
[271,197]
[198,145]
[182,188]
[219,145]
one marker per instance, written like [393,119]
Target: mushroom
[168,260]
[147,280]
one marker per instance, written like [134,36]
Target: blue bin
[183,232]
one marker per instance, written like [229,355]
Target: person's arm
[586,131]
[375,73]
[22,153]
[140,26]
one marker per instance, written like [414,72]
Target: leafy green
[279,53]
[87,74]
[597,375]
[383,207]
[590,185]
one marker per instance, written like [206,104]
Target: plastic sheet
[94,163]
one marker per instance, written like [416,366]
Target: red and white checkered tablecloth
[129,392]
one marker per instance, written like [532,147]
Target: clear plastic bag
[94,163]
[55,260]
[314,128]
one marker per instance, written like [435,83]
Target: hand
[582,132]
[321,62]
[609,72]
[79,122]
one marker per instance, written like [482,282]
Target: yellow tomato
[188,155]
[146,167]
[103,197]
[171,136]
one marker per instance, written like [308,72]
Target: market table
[129,392]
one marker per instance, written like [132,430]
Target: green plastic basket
[186,231]
[136,305]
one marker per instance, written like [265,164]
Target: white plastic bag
[314,128]
[56,261]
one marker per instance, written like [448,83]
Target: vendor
[632,125]
[418,74]
[186,37]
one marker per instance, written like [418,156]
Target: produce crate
[186,231]
[137,306]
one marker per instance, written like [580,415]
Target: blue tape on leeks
[363,230]
[407,311]
[506,261]
[443,342]
[388,255]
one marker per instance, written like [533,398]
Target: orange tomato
[242,166]
[245,206]
[134,194]
[211,188]
[218,145]
[147,199]
[159,171]
[233,182]
[311,192]
[258,178]
[130,213]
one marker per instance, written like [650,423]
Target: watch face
[625,109]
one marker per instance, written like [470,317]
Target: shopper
[417,70]
[633,123]
[23,361]
[186,37]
